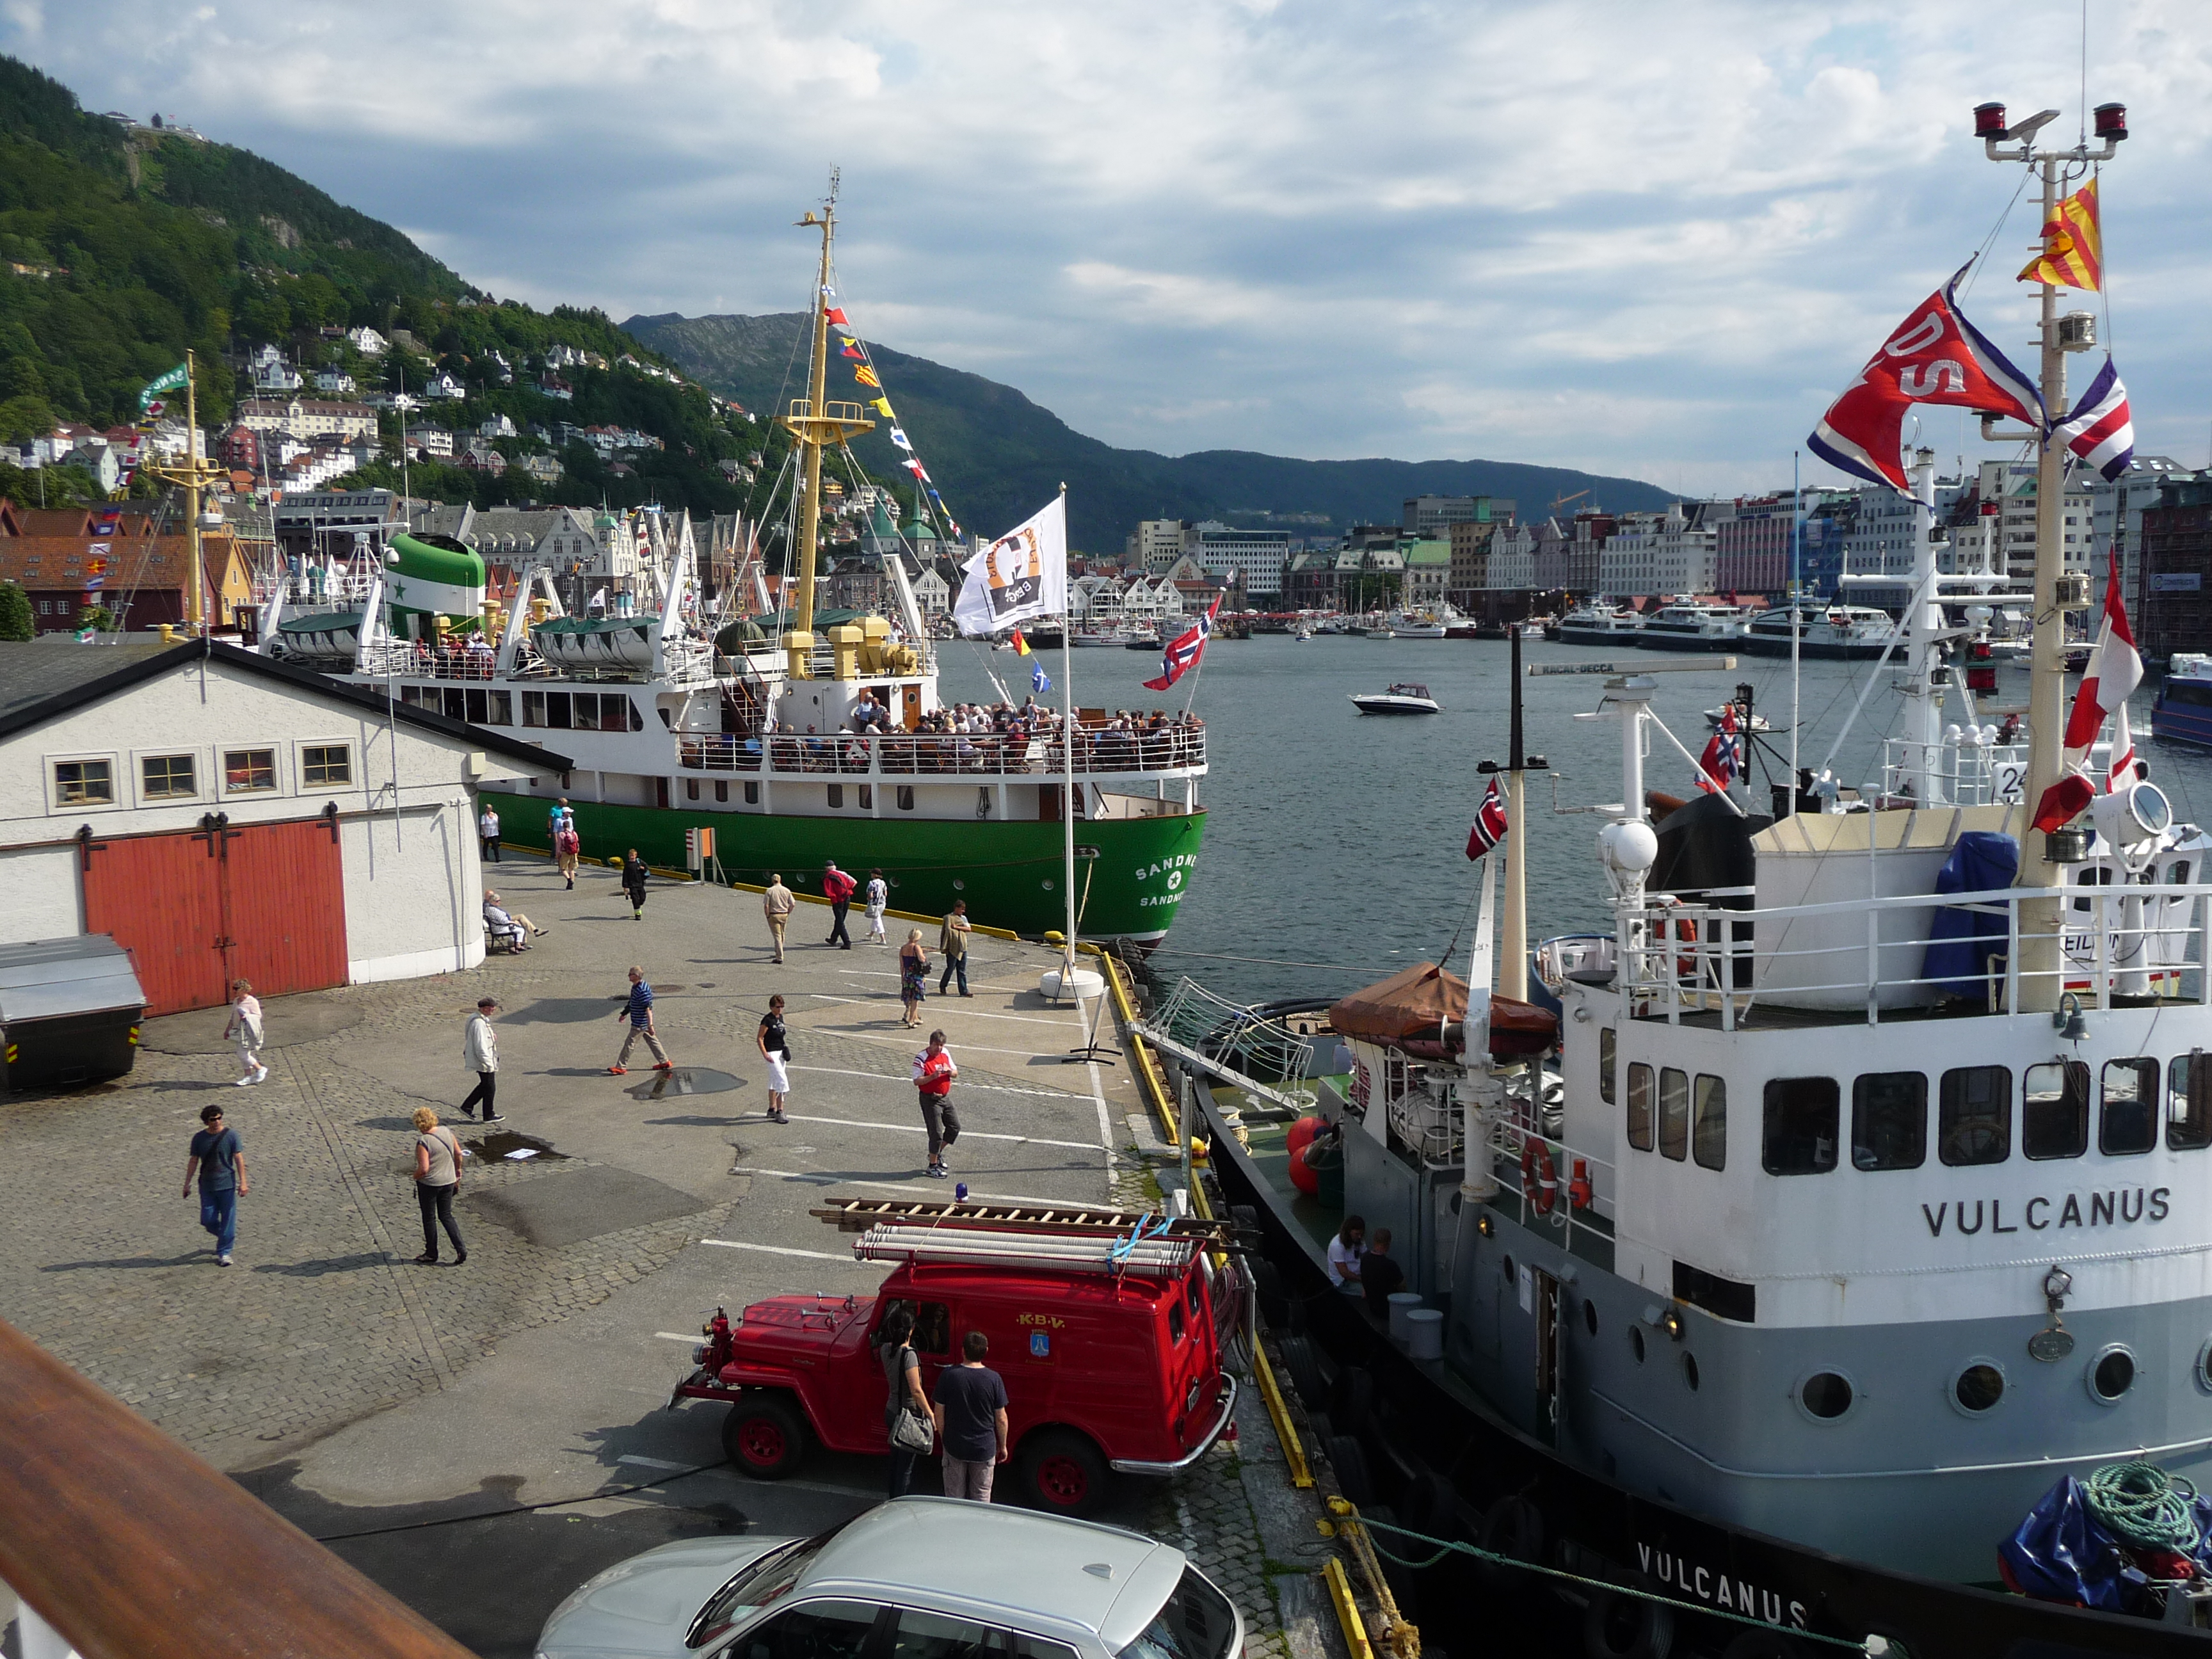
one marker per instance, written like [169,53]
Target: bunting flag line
[2115,671]
[835,313]
[852,348]
[1490,822]
[2073,244]
[1934,356]
[173,380]
[1018,577]
[2100,430]
[882,406]
[867,377]
[900,438]
[1183,653]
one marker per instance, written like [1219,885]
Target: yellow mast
[815,424]
[193,475]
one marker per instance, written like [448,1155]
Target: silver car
[914,1578]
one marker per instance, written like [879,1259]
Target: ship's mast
[194,475]
[815,424]
[2040,981]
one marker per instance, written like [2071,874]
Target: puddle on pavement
[683,1080]
[503,1144]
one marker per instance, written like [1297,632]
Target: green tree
[14,613]
[97,618]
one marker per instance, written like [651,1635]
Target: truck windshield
[759,1582]
[1196,1622]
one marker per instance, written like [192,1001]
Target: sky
[1639,239]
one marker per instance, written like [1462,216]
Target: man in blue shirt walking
[220,1163]
[639,1012]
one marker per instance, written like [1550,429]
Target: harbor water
[1336,843]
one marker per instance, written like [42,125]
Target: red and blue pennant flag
[1723,761]
[852,349]
[1183,651]
[1934,356]
[1490,822]
[2100,430]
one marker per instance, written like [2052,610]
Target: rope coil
[2145,1507]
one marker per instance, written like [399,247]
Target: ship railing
[1956,772]
[687,662]
[397,659]
[1561,1185]
[901,755]
[2126,939]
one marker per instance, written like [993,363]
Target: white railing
[1963,774]
[1521,1146]
[1176,750]
[398,660]
[2126,939]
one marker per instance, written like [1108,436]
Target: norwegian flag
[2115,671]
[1935,356]
[2100,430]
[1183,651]
[1490,822]
[1723,761]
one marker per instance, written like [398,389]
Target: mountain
[123,245]
[996,456]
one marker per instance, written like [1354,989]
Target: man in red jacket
[838,888]
[933,1072]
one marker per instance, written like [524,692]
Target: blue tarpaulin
[2062,1552]
[1960,940]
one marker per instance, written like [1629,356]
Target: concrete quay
[502,1423]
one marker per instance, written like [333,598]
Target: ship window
[501,708]
[2177,872]
[867,798]
[1690,1371]
[1636,1342]
[1825,1395]
[1978,1388]
[558,714]
[456,703]
[690,788]
[2189,1102]
[474,707]
[1709,1139]
[1673,1114]
[584,710]
[1607,1043]
[1589,1316]
[2054,1109]
[1800,1126]
[906,798]
[1974,1112]
[836,794]
[1889,1120]
[1639,1106]
[2112,1374]
[533,708]
[637,720]
[752,793]
[410,696]
[721,789]
[2126,1113]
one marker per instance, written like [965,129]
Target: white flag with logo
[1018,577]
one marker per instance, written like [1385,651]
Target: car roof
[1030,1566]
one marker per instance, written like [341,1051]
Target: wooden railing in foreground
[133,1548]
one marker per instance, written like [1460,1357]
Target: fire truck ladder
[1144,1254]
[857,1215]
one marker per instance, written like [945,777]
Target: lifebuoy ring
[1539,1179]
[1685,933]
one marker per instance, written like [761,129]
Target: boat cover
[1423,1010]
[1958,939]
[2062,1552]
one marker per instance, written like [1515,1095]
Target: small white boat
[1404,698]
[1715,716]
[1382,634]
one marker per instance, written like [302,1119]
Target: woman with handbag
[913,978]
[774,1040]
[907,1419]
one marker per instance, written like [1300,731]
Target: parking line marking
[820,1178]
[974,1047]
[994,1088]
[771,1250]
[654,1463]
[965,1134]
[676,1336]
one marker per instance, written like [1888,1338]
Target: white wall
[414,891]
[40,895]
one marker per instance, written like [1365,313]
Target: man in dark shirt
[1378,1274]
[971,1409]
[218,1160]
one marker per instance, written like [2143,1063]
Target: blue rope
[1125,1247]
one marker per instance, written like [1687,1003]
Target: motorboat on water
[1382,633]
[2183,710]
[1416,625]
[1848,632]
[1717,717]
[1403,698]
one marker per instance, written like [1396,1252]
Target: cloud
[1635,238]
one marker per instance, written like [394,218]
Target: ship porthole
[1506,1268]
[1978,1387]
[2112,1374]
[1636,1342]
[2205,1366]
[1590,1316]
[1690,1371]
[959,886]
[1827,1397]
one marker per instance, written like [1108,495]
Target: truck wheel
[1062,1472]
[764,1437]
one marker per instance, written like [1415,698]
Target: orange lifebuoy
[1539,1178]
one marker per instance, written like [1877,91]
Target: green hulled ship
[794,747]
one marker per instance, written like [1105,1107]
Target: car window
[933,1324]
[814,1630]
[1196,1622]
[760,1583]
[933,1636]
[1034,1647]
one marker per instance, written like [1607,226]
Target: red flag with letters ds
[1934,356]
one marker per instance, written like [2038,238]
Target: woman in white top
[879,896]
[1344,1253]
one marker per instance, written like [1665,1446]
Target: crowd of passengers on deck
[989,737]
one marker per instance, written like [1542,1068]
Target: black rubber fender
[1514,1527]
[1620,1626]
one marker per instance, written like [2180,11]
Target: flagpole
[1796,610]
[195,612]
[1513,975]
[1068,763]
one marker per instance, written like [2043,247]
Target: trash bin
[69,1011]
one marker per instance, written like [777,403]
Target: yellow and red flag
[1021,645]
[2073,244]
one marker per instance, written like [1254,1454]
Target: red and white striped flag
[2115,671]
[1490,822]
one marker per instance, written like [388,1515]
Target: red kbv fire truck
[1109,1328]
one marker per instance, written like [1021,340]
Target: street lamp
[2015,142]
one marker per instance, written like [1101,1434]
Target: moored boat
[2183,710]
[1403,698]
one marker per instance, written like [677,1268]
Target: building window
[167,777]
[248,771]
[84,783]
[323,765]
[1889,1120]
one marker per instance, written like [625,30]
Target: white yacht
[1854,632]
[1692,627]
[1600,623]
